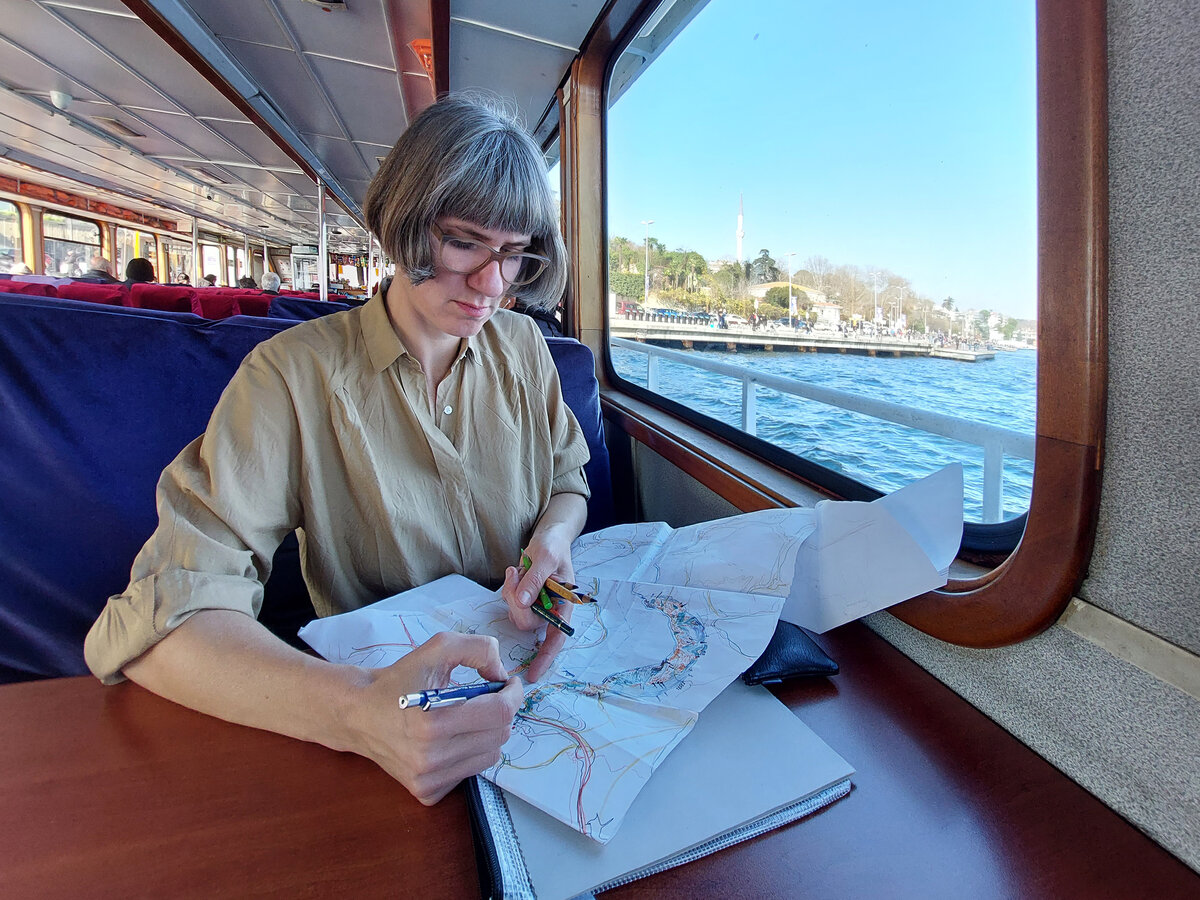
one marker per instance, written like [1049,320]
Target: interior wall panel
[1147,549]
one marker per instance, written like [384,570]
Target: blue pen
[447,696]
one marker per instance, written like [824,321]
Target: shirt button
[448,410]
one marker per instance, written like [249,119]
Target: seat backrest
[29,289]
[96,400]
[214,303]
[294,307]
[111,294]
[577,373]
[255,304]
[167,297]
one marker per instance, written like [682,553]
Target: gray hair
[270,281]
[466,157]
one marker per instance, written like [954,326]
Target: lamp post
[875,284]
[791,299]
[647,223]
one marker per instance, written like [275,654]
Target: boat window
[822,236]
[11,249]
[235,263]
[69,242]
[132,243]
[210,262]
[179,261]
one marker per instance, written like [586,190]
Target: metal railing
[995,441]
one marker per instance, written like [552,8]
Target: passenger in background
[546,319]
[419,435]
[248,282]
[100,269]
[184,279]
[209,280]
[270,283]
[139,271]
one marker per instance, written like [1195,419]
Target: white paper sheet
[864,557]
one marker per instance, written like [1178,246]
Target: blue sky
[880,134]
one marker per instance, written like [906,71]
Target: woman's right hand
[431,751]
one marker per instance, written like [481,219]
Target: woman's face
[450,305]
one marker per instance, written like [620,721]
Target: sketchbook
[748,767]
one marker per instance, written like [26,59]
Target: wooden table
[113,792]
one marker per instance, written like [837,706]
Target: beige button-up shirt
[327,428]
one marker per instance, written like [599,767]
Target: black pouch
[791,654]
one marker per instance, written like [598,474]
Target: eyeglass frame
[498,256]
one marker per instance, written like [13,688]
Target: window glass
[70,243]
[822,233]
[179,262]
[11,252]
[131,243]
[210,261]
[235,263]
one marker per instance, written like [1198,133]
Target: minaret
[741,232]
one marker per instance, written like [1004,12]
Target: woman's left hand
[549,555]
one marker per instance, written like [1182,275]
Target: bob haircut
[139,269]
[466,157]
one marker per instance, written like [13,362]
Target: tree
[763,268]
[778,296]
[730,280]
[819,271]
[622,255]
[948,304]
[626,284]
[981,323]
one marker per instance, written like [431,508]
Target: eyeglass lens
[465,256]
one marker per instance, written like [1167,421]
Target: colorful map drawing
[644,662]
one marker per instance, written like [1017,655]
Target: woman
[139,270]
[413,437]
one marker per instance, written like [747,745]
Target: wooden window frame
[1028,591]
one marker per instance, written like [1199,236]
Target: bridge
[690,333]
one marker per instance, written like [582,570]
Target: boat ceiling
[226,110]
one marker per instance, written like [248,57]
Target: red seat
[111,294]
[29,288]
[254,304]
[169,298]
[214,303]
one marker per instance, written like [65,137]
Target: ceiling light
[60,99]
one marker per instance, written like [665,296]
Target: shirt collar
[384,346]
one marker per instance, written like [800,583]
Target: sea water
[999,391]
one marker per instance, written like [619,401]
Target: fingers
[518,605]
[431,787]
[439,656]
[550,646]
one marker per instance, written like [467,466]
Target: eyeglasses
[464,256]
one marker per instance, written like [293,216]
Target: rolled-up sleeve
[224,505]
